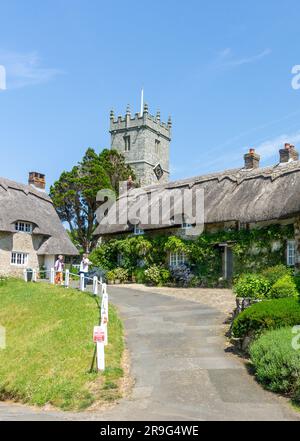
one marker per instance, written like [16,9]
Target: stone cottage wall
[19,242]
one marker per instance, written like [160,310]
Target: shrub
[152,275]
[254,286]
[270,314]
[139,274]
[297,281]
[274,273]
[182,275]
[277,363]
[120,274]
[284,287]
[156,275]
[165,275]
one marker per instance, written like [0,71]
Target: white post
[25,275]
[99,336]
[52,276]
[100,356]
[82,287]
[67,278]
[95,285]
[104,324]
[104,315]
[34,275]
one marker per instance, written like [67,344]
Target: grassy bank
[49,347]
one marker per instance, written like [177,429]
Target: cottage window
[19,258]
[24,227]
[291,252]
[177,259]
[138,231]
[127,143]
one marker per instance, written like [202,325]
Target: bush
[182,275]
[297,281]
[254,286]
[274,273]
[120,274]
[277,363]
[165,275]
[139,274]
[284,287]
[156,275]
[271,314]
[152,275]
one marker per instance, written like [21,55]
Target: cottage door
[229,263]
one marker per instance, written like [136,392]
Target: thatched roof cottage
[246,197]
[31,233]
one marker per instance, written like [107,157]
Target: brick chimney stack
[251,159]
[37,180]
[288,153]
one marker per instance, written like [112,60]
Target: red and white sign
[99,335]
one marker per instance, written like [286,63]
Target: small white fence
[81,281]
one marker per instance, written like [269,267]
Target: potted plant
[110,277]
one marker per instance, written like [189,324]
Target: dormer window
[138,231]
[23,227]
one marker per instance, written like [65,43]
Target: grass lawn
[49,347]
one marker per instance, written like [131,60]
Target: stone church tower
[144,140]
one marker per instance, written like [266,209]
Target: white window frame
[138,231]
[177,259]
[19,258]
[23,227]
[291,253]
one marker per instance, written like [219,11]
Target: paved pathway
[180,368]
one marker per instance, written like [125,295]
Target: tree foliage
[74,194]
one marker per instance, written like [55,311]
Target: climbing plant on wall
[253,251]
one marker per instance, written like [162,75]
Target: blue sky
[221,69]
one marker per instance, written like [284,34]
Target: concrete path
[180,368]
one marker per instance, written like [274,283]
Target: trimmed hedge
[269,314]
[284,287]
[274,273]
[277,362]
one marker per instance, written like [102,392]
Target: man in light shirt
[84,267]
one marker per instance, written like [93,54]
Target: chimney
[37,180]
[288,153]
[251,159]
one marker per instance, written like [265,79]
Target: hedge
[266,315]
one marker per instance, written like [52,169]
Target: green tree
[74,194]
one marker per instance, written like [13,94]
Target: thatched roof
[19,202]
[262,194]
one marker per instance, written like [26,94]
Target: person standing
[59,267]
[84,267]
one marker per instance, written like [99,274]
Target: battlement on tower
[138,121]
